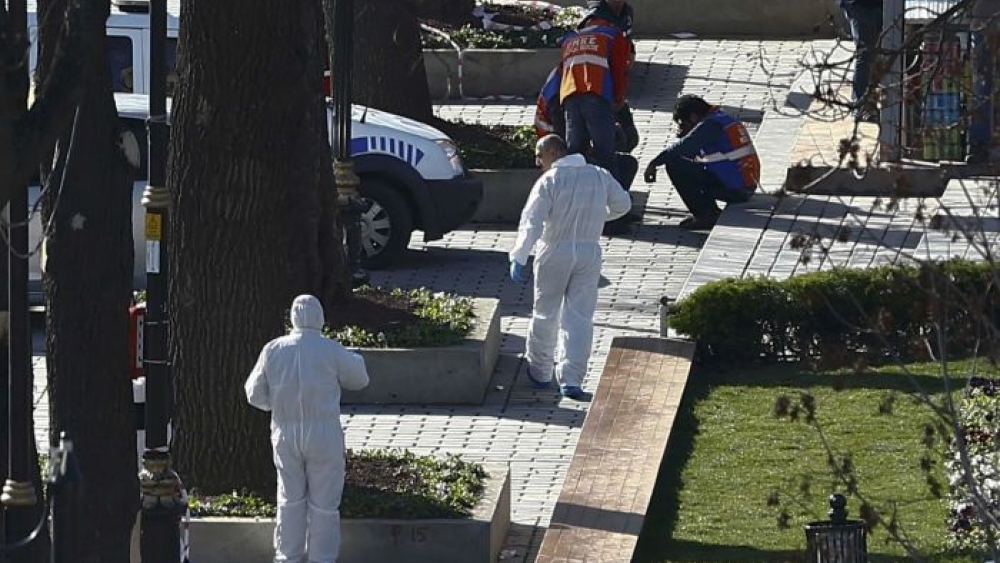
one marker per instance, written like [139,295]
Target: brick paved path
[536,432]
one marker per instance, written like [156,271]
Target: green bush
[530,36]
[379,484]
[469,37]
[439,319]
[492,146]
[841,317]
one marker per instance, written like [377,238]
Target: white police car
[411,178]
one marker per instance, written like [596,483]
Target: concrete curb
[476,539]
[504,194]
[445,375]
[489,72]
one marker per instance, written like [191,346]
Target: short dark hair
[688,105]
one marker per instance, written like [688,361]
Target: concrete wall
[476,539]
[504,194]
[489,72]
[442,375]
[713,18]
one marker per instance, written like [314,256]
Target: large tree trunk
[389,71]
[88,283]
[26,134]
[250,184]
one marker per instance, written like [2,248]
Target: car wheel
[386,224]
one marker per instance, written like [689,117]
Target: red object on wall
[136,320]
[327,84]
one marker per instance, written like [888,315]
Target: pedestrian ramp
[604,499]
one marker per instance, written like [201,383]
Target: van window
[120,57]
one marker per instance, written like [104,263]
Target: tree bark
[389,71]
[26,135]
[250,185]
[88,282]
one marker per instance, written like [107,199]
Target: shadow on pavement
[655,86]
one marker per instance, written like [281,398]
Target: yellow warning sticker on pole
[154,230]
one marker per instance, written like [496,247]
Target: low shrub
[494,147]
[402,319]
[979,418]
[507,26]
[471,37]
[841,317]
[379,484]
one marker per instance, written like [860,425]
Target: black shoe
[868,116]
[699,223]
[631,218]
[614,228]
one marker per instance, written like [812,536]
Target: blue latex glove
[517,272]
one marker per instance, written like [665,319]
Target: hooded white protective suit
[298,378]
[565,214]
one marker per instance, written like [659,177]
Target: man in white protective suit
[298,379]
[565,213]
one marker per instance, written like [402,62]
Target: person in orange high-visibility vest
[593,86]
[714,160]
[548,112]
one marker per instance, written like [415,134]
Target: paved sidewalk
[536,432]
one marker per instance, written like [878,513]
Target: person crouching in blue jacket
[714,160]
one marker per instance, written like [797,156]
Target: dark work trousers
[985,65]
[590,120]
[699,188]
[865,20]
[628,167]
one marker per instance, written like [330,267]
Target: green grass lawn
[729,452]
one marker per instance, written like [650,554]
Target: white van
[128,43]
[411,174]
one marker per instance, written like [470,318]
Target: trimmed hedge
[841,317]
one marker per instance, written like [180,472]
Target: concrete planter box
[445,375]
[504,194]
[726,18]
[476,539]
[489,72]
[895,180]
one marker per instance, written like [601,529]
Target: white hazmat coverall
[565,214]
[298,378]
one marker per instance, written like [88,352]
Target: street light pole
[340,20]
[160,486]
[18,490]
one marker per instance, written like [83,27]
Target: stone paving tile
[874,231]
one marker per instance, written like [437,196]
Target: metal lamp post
[837,540]
[18,490]
[160,486]
[341,22]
